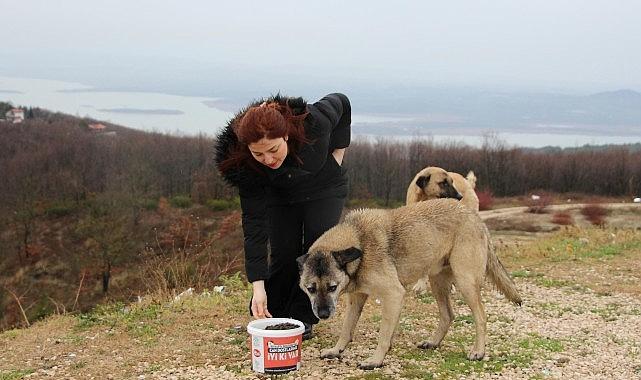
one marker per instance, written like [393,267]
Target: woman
[285,156]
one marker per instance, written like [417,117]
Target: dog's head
[324,275]
[436,183]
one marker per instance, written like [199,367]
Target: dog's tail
[471,179]
[500,277]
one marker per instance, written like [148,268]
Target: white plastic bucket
[275,351]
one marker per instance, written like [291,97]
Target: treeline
[383,169]
[56,158]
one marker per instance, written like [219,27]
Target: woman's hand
[259,301]
[338,155]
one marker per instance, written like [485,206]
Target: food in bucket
[282,326]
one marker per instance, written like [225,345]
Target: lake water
[189,115]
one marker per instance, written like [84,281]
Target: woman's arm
[254,218]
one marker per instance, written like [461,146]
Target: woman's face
[269,152]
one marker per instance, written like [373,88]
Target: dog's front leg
[392,305]
[355,303]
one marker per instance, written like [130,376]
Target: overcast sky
[578,44]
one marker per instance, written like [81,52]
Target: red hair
[269,120]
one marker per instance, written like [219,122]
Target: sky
[573,45]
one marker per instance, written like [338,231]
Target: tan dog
[379,252]
[430,183]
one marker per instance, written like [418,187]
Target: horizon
[426,68]
[185,115]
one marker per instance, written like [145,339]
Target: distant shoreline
[142,111]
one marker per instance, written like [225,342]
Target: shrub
[563,218]
[180,201]
[223,204]
[595,214]
[540,204]
[59,209]
[486,199]
[149,204]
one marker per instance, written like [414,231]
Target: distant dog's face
[324,276]
[437,183]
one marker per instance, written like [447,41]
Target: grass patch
[606,251]
[610,313]
[426,298]
[153,368]
[524,273]
[10,334]
[415,371]
[141,321]
[462,320]
[455,364]
[15,374]
[538,343]
[573,243]
[79,365]
[552,282]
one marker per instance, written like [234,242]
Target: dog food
[282,326]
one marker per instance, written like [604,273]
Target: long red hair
[268,120]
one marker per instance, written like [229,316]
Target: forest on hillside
[55,158]
[80,208]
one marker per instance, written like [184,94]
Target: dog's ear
[301,261]
[347,256]
[422,181]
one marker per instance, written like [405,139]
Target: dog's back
[417,237]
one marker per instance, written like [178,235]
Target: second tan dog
[379,252]
[431,183]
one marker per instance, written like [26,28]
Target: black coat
[328,127]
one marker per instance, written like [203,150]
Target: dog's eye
[311,290]
[332,288]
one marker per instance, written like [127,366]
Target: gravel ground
[566,332]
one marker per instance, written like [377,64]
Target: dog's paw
[476,355]
[330,353]
[370,364]
[426,345]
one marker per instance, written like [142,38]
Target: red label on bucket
[282,354]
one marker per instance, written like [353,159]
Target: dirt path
[566,332]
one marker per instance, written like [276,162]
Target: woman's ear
[286,137]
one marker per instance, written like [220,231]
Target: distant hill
[618,95]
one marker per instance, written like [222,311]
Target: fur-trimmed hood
[227,141]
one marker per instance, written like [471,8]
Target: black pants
[293,229]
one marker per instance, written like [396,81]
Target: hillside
[581,304]
[88,213]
